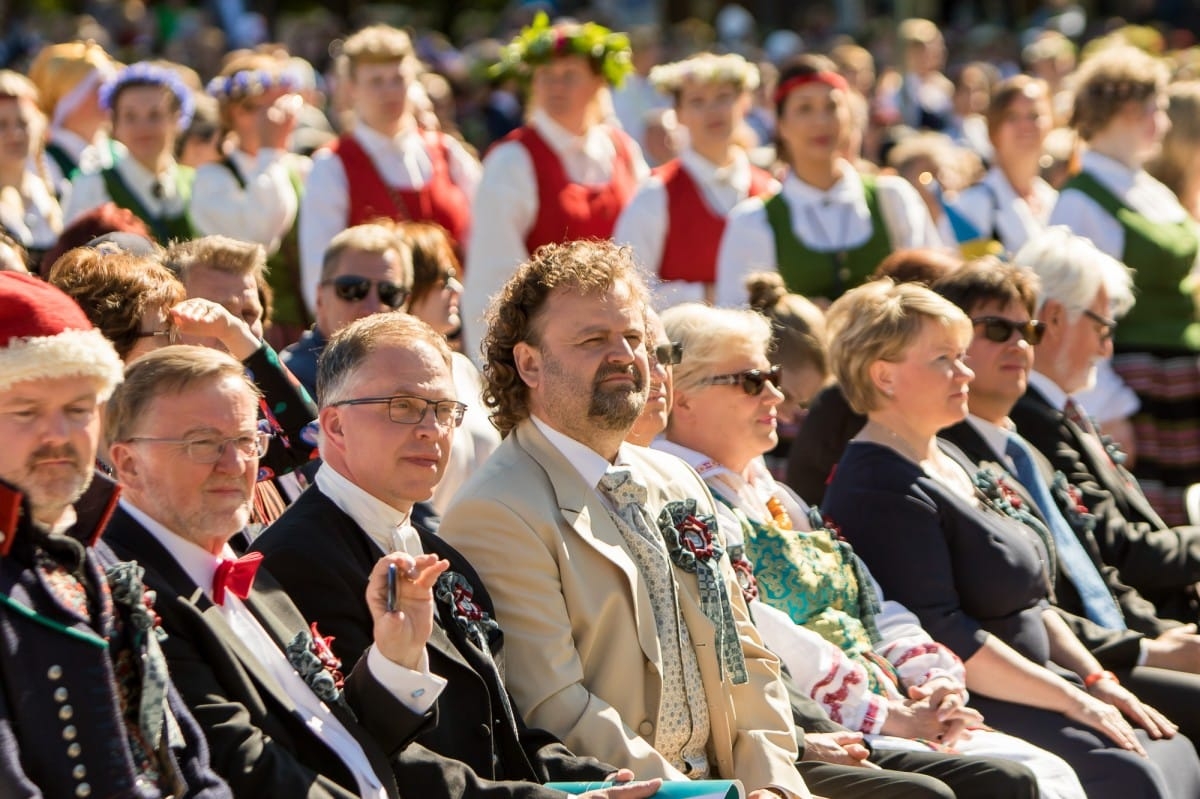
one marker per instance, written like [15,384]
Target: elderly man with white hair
[1082,291]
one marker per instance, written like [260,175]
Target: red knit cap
[45,334]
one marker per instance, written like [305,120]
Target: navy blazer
[259,741]
[61,731]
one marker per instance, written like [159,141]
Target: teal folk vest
[1162,255]
[827,274]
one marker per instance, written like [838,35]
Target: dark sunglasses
[670,354]
[1000,330]
[1107,326]
[751,381]
[353,288]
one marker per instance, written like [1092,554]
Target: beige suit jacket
[583,658]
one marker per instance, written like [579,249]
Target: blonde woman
[28,211]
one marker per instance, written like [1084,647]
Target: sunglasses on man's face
[1000,330]
[353,288]
[752,381]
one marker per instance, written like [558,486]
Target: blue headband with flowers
[144,73]
[249,83]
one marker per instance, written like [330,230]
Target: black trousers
[922,775]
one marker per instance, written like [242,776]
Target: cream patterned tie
[682,731]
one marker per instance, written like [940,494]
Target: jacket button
[485,731]
[65,712]
[645,728]
[83,789]
[79,772]
[54,672]
[69,732]
[74,750]
[60,695]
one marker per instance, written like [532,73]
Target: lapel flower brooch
[997,494]
[457,596]
[311,655]
[688,534]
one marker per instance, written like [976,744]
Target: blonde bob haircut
[879,321]
[709,336]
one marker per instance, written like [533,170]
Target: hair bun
[766,289]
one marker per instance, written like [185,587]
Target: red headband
[831,79]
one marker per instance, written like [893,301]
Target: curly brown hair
[588,267]
[116,290]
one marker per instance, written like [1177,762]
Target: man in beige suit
[610,647]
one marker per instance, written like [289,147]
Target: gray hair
[1072,270]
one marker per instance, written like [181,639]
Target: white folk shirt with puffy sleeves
[200,565]
[835,219]
[993,204]
[88,191]
[644,223]
[403,164]
[506,207]
[261,211]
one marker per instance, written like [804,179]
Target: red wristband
[1096,677]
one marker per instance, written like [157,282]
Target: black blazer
[1162,563]
[259,742]
[60,716]
[820,442]
[1115,649]
[322,558]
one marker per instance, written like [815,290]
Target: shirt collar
[736,174]
[1111,172]
[70,141]
[848,188]
[198,563]
[144,179]
[562,140]
[996,436]
[1048,389]
[387,526]
[590,464]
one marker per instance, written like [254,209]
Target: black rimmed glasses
[353,288]
[211,450]
[669,354]
[1108,327]
[1000,330]
[752,381]
[411,410]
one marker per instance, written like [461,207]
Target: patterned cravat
[683,724]
[1098,602]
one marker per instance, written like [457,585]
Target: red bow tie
[236,576]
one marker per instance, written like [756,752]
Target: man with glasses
[1082,289]
[1121,627]
[367,269]
[257,676]
[388,414]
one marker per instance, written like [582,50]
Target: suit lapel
[585,513]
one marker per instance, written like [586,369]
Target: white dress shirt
[200,565]
[403,164]
[644,223]
[88,191]
[826,221]
[506,207]
[993,204]
[262,211]
[39,222]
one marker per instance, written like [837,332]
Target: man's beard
[618,407]
[49,494]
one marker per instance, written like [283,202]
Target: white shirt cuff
[1143,652]
[416,690]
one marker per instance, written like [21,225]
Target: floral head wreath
[541,42]
[705,68]
[146,73]
[248,83]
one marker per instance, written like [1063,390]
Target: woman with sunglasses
[941,538]
[866,662]
[829,227]
[1120,111]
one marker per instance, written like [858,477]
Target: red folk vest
[569,211]
[439,200]
[694,230]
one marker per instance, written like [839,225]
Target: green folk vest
[165,229]
[1162,255]
[826,274]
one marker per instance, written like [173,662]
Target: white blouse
[993,205]
[37,222]
[262,211]
[88,191]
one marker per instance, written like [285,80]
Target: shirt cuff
[416,690]
[1143,652]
